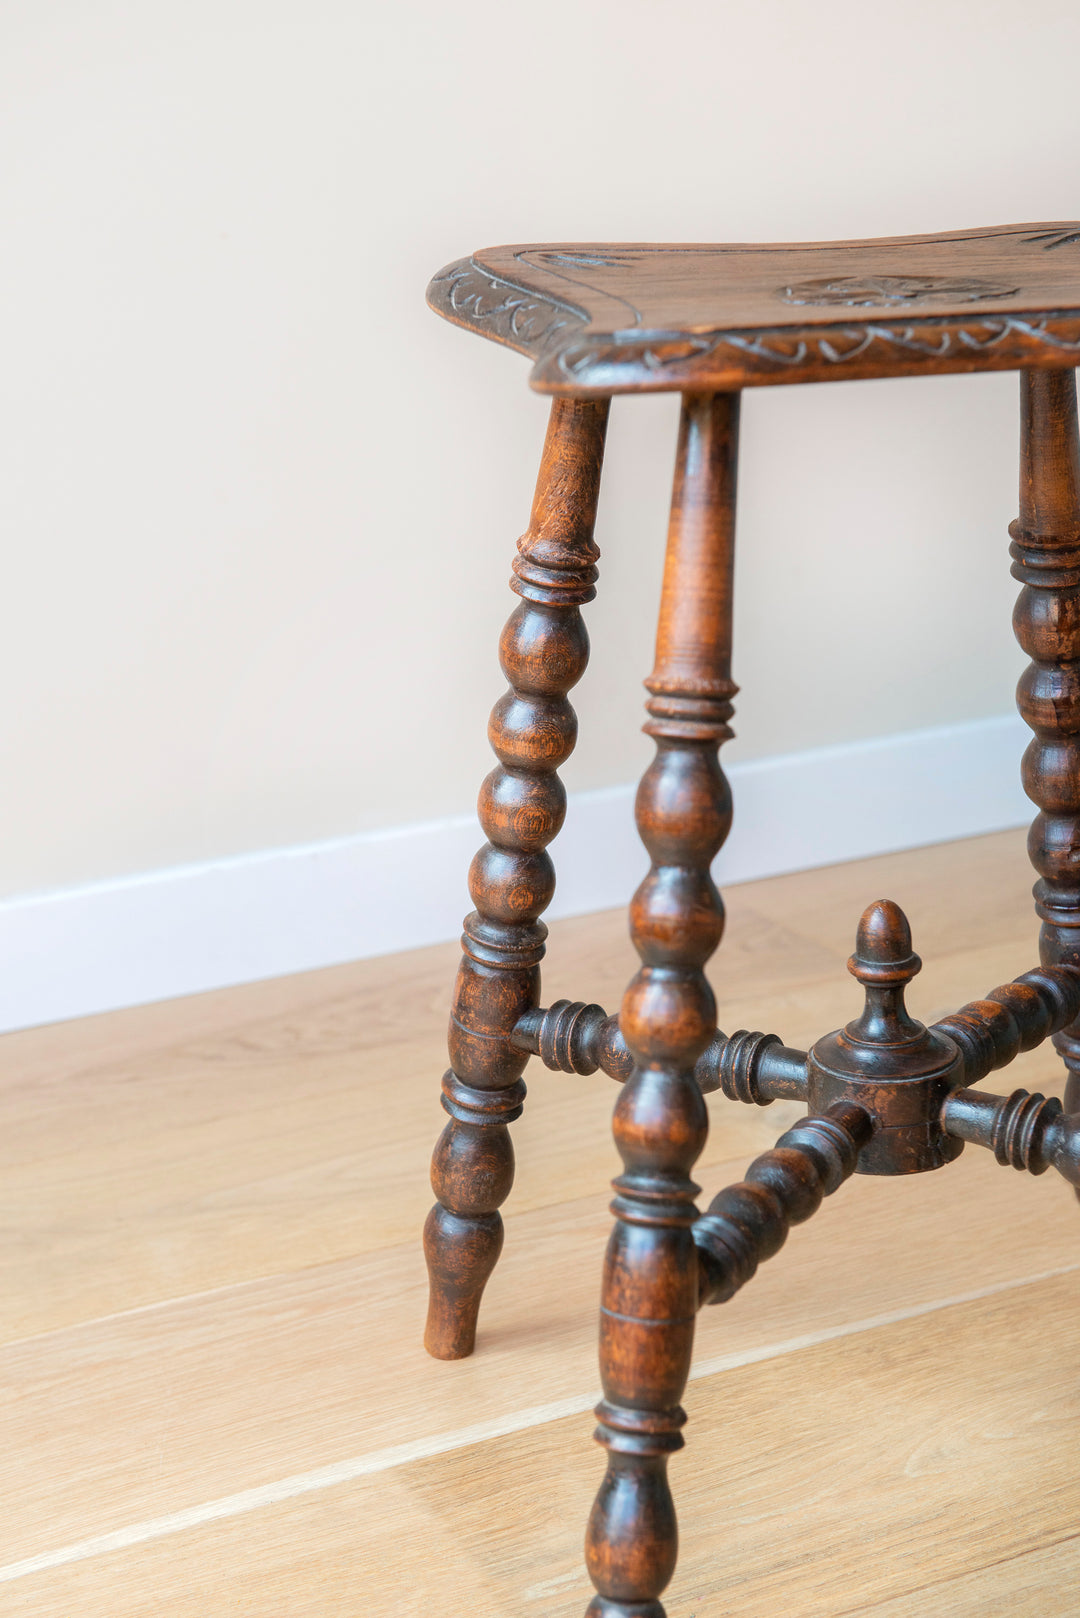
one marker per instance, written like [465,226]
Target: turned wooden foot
[461,1254]
[1046,548]
[543,651]
[650,1289]
[886,1096]
[472,1172]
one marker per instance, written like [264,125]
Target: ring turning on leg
[1046,548]
[544,650]
[650,1292]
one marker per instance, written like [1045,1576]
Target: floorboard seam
[326,1477]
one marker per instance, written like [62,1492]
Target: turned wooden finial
[884,963]
[899,1071]
[883,941]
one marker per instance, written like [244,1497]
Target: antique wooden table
[885,1095]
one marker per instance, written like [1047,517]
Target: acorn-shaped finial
[885,1060]
[883,952]
[884,963]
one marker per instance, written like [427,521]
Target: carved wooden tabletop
[630,317]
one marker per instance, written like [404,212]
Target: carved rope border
[534,323]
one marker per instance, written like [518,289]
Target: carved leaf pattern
[532,322]
[523,319]
[1069,237]
[835,347]
[591,261]
[870,291]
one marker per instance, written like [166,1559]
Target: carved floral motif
[862,291]
[538,323]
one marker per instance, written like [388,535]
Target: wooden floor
[213,1396]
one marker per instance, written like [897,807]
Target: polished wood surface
[668,1017]
[887,1096]
[1046,618]
[543,652]
[885,1060]
[212,1283]
[612,317]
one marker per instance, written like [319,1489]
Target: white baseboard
[197,927]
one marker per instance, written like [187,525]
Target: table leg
[544,650]
[650,1288]
[1046,548]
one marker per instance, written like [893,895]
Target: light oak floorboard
[821,1484]
[210,1395]
[151,1153]
[1024,1586]
[211,1281]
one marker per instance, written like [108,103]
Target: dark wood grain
[886,1095]
[750,1221]
[606,318]
[544,650]
[1023,1131]
[1018,1016]
[572,1037]
[668,1018]
[886,1061]
[1046,551]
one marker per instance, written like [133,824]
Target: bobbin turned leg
[1046,548]
[650,1295]
[543,651]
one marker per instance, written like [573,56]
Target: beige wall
[259,504]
